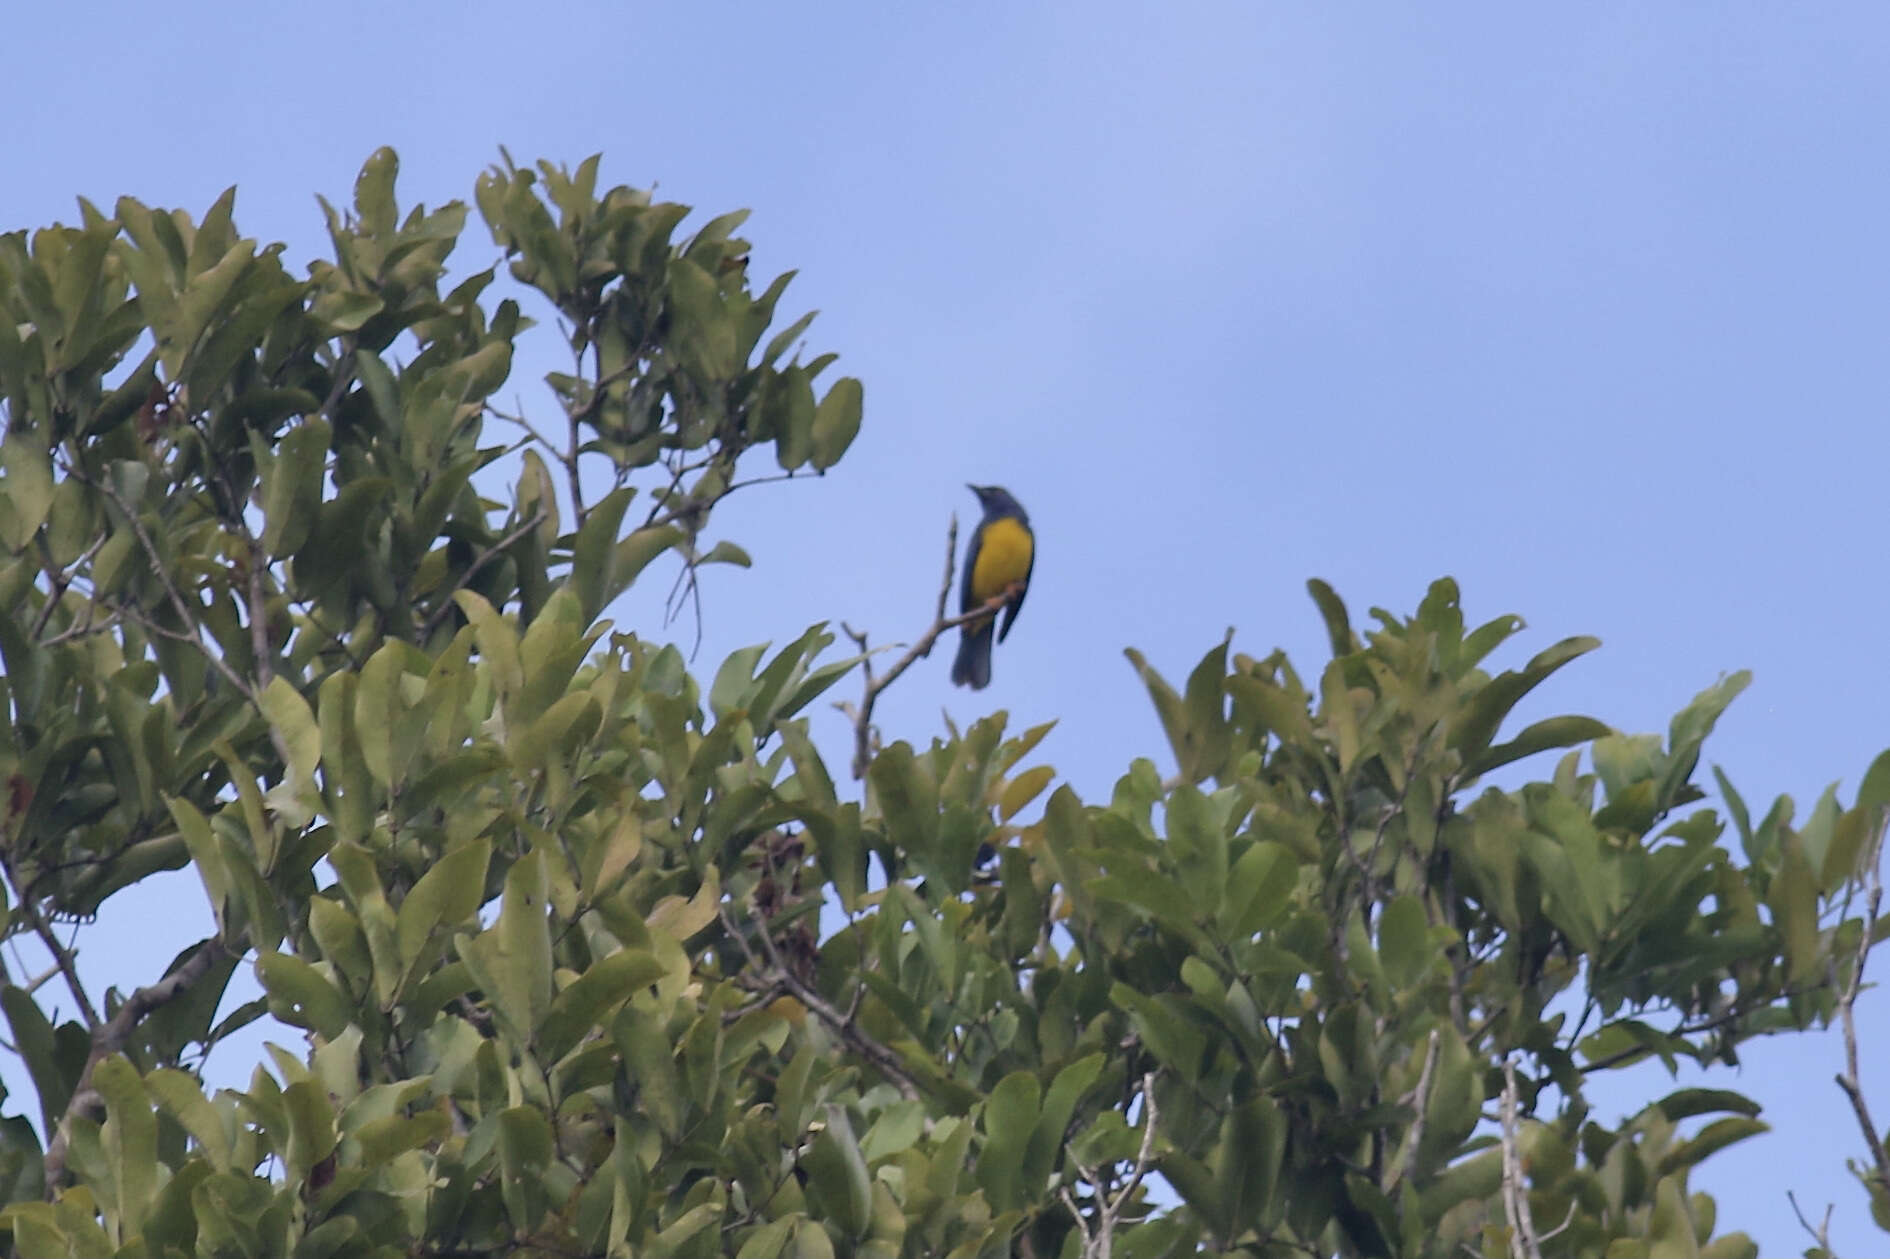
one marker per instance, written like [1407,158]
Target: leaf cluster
[570,952]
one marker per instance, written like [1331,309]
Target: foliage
[590,958]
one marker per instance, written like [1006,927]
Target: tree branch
[1820,1234]
[1418,1098]
[862,715]
[64,959]
[1522,1229]
[485,557]
[1099,1240]
[258,619]
[777,975]
[111,1037]
[1848,1079]
[191,631]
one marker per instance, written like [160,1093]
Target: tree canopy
[580,953]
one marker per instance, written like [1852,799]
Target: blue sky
[1584,307]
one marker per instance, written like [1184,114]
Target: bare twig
[60,580]
[1099,1238]
[1848,1079]
[689,582]
[111,1037]
[484,558]
[64,957]
[83,628]
[1567,1220]
[258,618]
[776,975]
[1820,1234]
[1730,1015]
[518,417]
[191,631]
[344,376]
[862,715]
[1523,1243]
[1418,1098]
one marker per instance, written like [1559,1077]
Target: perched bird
[1001,555]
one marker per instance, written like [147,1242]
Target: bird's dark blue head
[997,501]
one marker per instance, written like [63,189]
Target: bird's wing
[1017,604]
[966,600]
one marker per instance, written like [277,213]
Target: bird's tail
[973,666]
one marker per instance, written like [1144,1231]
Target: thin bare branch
[65,958]
[1418,1099]
[112,1037]
[518,418]
[1523,1243]
[84,628]
[1099,1237]
[484,558]
[777,975]
[862,715]
[191,631]
[1850,1078]
[1820,1234]
[258,615]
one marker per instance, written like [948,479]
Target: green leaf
[513,960]
[811,1242]
[342,312]
[705,332]
[1259,888]
[1167,1035]
[836,422]
[294,721]
[525,1155]
[130,1139]
[1554,732]
[649,1059]
[791,412]
[374,192]
[635,553]
[446,895]
[589,1000]
[898,1128]
[1793,898]
[292,487]
[1059,1104]
[1198,844]
[1692,1102]
[1010,1120]
[1246,1163]
[1196,727]
[727,553]
[206,856]
[1873,793]
[1332,612]
[1479,719]
[594,552]
[837,1175]
[1711,1139]
[26,488]
[312,1135]
[301,996]
[181,1097]
[377,701]
[1404,949]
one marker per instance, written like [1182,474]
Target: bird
[1003,551]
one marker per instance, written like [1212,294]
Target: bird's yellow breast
[1004,554]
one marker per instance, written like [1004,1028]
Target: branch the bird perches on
[861,715]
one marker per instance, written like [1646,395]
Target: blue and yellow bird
[1002,553]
